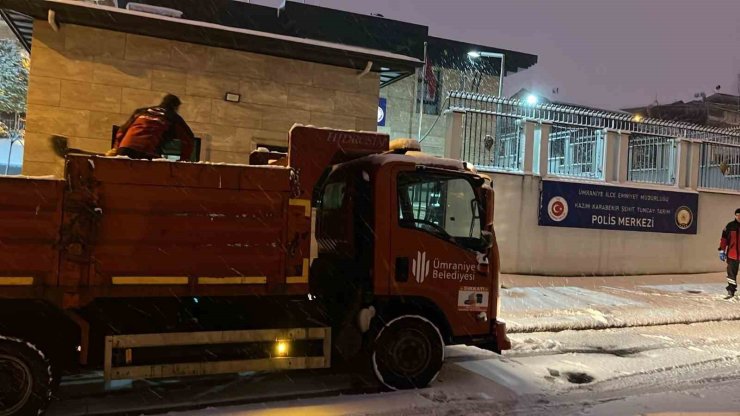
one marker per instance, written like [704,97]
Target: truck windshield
[445,206]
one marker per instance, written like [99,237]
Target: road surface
[629,371]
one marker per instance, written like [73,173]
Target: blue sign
[568,204]
[381,112]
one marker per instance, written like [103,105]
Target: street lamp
[477,54]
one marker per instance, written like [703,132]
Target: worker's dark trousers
[732,266]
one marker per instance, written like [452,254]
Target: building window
[171,150]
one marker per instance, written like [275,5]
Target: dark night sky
[605,53]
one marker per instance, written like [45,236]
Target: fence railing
[12,126]
[492,142]
[587,117]
[651,159]
[576,151]
[719,166]
[493,135]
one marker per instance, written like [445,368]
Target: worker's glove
[722,256]
[111,152]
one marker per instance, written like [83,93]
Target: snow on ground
[624,371]
[538,309]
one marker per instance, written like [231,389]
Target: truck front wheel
[407,353]
[25,378]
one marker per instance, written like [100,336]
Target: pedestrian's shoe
[730,294]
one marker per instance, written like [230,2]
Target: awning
[212,34]
[21,25]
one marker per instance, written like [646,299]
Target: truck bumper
[497,341]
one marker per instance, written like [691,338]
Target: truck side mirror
[486,240]
[488,200]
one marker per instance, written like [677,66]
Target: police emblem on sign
[684,217]
[557,208]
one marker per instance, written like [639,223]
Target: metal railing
[493,142]
[493,139]
[576,151]
[719,166]
[651,159]
[586,117]
[12,126]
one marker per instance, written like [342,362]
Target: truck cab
[405,244]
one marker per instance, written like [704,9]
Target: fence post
[544,148]
[623,157]
[529,129]
[612,156]
[694,164]
[682,162]
[453,137]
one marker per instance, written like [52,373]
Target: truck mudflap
[496,341]
[502,339]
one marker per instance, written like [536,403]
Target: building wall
[402,107]
[85,80]
[527,248]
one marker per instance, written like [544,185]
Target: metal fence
[719,167]
[576,151]
[651,159]
[12,126]
[493,142]
[493,139]
[587,117]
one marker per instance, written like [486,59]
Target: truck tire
[25,378]
[407,353]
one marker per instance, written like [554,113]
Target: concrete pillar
[611,156]
[694,163]
[623,157]
[543,153]
[528,162]
[682,163]
[454,136]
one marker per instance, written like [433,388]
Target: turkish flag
[431,80]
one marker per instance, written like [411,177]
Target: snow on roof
[285,38]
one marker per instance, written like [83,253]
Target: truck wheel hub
[411,352]
[15,384]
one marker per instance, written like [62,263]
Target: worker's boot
[730,294]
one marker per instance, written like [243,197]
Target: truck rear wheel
[407,353]
[25,378]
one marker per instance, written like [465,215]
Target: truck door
[437,251]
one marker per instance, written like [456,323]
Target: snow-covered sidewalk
[543,303]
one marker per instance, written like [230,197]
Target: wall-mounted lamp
[233,98]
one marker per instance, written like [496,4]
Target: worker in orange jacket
[148,129]
[729,252]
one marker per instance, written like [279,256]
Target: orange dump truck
[345,248]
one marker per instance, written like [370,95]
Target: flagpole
[423,84]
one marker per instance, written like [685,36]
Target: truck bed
[30,217]
[125,228]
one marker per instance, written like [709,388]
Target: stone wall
[402,107]
[85,80]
